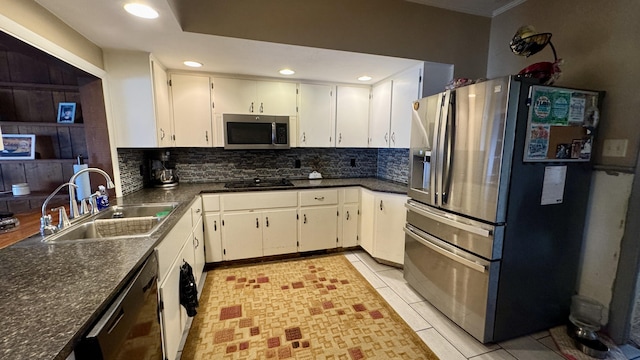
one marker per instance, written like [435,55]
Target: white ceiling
[488,8]
[106,24]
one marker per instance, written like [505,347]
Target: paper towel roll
[84,185]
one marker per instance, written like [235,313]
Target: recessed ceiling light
[192,64]
[364,78]
[287,72]
[140,10]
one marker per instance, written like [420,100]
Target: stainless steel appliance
[499,181]
[163,172]
[130,327]
[255,131]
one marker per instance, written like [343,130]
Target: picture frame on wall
[18,147]
[66,112]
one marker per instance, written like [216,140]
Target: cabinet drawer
[318,197]
[196,211]
[259,200]
[211,202]
[352,195]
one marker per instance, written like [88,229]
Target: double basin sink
[116,222]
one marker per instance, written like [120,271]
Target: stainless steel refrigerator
[498,187]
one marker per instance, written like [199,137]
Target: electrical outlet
[615,147]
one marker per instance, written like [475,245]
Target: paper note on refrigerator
[553,185]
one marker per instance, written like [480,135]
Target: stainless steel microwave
[255,131]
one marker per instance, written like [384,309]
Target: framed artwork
[66,112]
[18,147]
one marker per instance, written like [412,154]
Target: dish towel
[188,289]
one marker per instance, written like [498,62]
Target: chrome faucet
[45,221]
[73,205]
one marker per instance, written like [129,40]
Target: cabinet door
[380,115]
[161,102]
[366,220]
[352,116]
[242,235]
[350,225]
[318,228]
[390,217]
[198,249]
[280,232]
[191,99]
[275,98]
[315,123]
[172,322]
[406,90]
[234,96]
[212,238]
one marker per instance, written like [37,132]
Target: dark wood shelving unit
[35,86]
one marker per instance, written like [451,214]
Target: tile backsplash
[218,165]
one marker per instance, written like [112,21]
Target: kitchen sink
[117,222]
[137,210]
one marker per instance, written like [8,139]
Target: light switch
[615,147]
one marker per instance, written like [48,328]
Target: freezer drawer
[474,236]
[462,286]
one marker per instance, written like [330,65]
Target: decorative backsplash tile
[196,165]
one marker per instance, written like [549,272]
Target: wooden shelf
[34,86]
[35,195]
[41,161]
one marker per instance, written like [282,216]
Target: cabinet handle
[340,139]
[251,107]
[196,242]
[347,215]
[304,137]
[319,198]
[206,135]
[198,211]
[257,223]
[215,225]
[304,219]
[386,137]
[267,221]
[162,134]
[380,205]
[393,137]
[261,108]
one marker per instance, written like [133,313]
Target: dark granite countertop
[51,294]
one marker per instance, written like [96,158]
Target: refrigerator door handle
[425,240]
[444,220]
[438,169]
[448,146]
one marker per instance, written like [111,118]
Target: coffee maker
[163,172]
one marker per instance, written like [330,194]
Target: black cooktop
[258,183]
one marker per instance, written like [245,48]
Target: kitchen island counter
[52,294]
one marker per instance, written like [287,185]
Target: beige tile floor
[443,336]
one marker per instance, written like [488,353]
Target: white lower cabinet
[242,237]
[213,237]
[279,232]
[318,219]
[383,216]
[183,243]
[349,219]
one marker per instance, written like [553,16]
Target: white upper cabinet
[390,120]
[191,100]
[242,96]
[380,115]
[352,116]
[405,90]
[138,99]
[316,116]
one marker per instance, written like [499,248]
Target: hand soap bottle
[103,199]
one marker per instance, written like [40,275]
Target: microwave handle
[273,133]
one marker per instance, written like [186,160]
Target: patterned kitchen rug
[312,308]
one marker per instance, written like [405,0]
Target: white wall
[603,235]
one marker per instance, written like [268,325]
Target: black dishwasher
[129,329]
